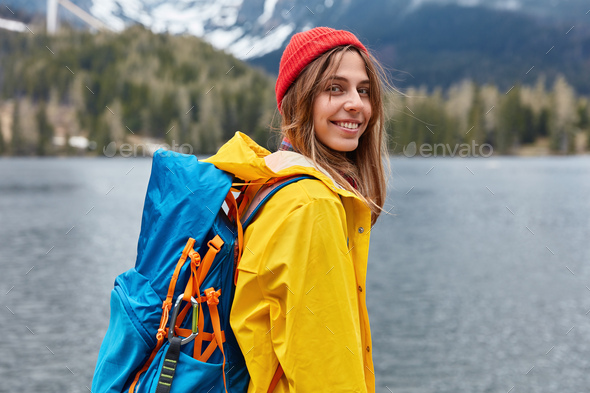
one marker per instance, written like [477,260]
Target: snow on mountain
[249,47]
[175,17]
[245,28]
[269,8]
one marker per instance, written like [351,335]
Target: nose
[354,102]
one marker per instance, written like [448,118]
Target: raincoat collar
[250,162]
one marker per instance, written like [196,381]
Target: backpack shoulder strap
[265,193]
[275,379]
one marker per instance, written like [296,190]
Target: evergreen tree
[230,121]
[511,122]
[583,117]
[183,101]
[172,135]
[3,147]
[475,124]
[490,100]
[543,122]
[45,131]
[528,134]
[564,116]
[18,144]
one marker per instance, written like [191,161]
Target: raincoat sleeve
[306,317]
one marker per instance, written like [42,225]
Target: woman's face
[342,108]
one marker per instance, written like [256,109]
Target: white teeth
[352,126]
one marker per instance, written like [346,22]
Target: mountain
[432,42]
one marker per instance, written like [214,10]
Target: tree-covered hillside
[526,120]
[110,87]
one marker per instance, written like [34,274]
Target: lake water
[478,280]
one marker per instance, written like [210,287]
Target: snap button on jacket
[297,298]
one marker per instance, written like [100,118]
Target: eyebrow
[341,78]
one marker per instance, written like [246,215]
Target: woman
[300,296]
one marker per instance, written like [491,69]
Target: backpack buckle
[175,311]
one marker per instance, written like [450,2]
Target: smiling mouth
[347,125]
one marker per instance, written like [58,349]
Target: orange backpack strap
[234,209]
[214,247]
[166,306]
[275,379]
[212,302]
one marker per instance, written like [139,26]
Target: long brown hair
[364,166]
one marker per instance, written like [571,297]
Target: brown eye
[364,91]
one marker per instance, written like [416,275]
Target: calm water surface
[478,277]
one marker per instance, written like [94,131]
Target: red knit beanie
[304,48]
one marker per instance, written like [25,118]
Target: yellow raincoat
[300,297]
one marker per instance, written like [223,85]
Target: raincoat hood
[250,162]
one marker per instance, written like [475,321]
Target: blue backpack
[169,327]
